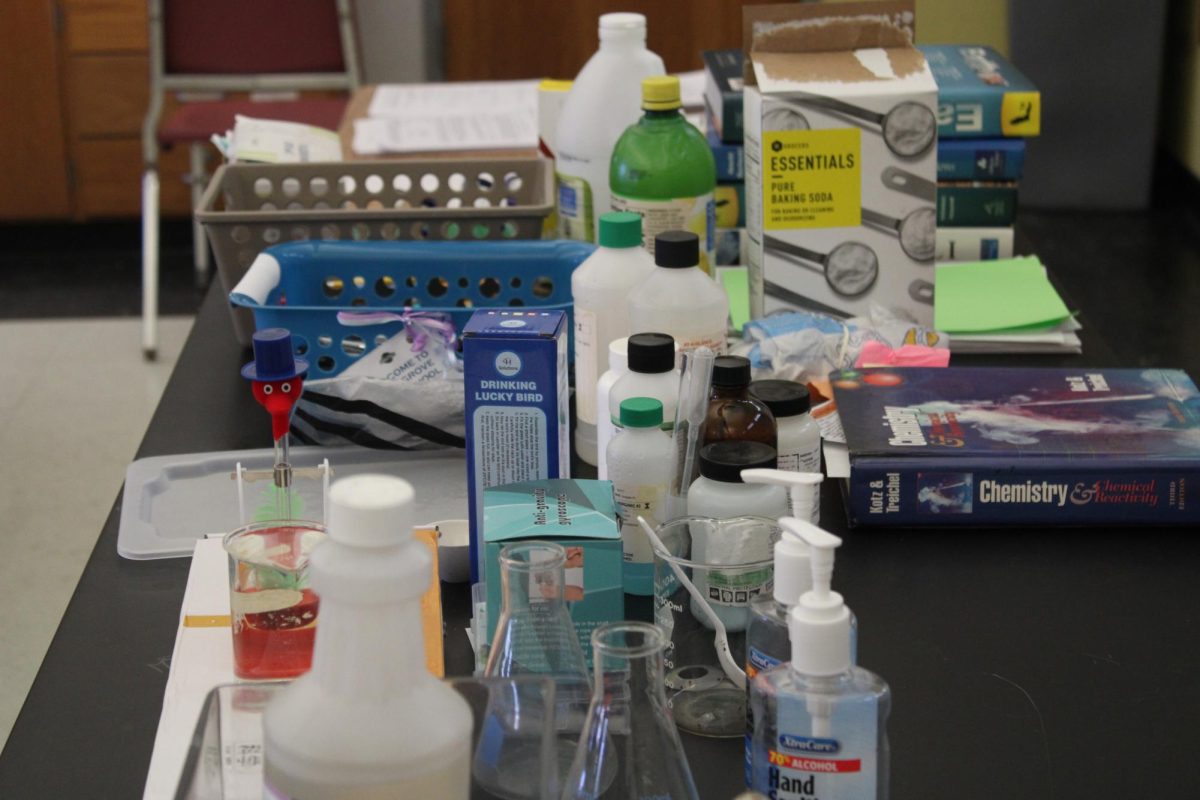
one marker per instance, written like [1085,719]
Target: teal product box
[515,379]
[581,516]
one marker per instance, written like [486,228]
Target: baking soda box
[841,159]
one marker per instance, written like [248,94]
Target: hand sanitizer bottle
[368,721]
[820,723]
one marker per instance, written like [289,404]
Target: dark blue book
[729,157]
[980,94]
[980,159]
[1020,446]
[723,91]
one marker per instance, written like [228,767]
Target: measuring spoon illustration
[906,182]
[909,129]
[850,269]
[917,231]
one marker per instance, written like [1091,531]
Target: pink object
[878,354]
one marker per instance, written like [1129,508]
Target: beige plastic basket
[249,207]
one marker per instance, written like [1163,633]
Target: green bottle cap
[641,412]
[620,229]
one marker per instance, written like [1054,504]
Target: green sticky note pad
[737,288]
[990,296]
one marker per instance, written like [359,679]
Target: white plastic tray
[171,501]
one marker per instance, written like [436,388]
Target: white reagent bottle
[798,436]
[639,466]
[600,287]
[618,365]
[679,299]
[605,99]
[820,723]
[368,721]
[650,360]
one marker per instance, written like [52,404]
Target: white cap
[371,511]
[618,355]
[622,26]
[793,570]
[798,484]
[819,624]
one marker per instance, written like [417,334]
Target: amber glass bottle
[733,413]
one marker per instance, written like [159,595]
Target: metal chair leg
[150,264]
[198,179]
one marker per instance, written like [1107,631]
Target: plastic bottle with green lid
[663,169]
[600,287]
[639,466]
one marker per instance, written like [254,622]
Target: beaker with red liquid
[274,612]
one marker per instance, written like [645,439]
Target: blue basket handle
[259,281]
[421,325]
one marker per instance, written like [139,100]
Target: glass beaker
[629,748]
[274,612]
[729,563]
[535,636]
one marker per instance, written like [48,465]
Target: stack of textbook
[986,110]
[723,112]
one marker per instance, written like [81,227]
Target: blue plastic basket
[302,286]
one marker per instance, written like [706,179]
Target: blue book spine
[729,157]
[980,159]
[922,492]
[981,94]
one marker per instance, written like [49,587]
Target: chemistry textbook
[1004,446]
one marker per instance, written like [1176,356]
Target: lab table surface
[1028,662]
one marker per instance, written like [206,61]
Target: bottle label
[634,500]
[715,341]
[756,661]
[804,462]
[574,208]
[736,588]
[810,756]
[695,214]
[585,365]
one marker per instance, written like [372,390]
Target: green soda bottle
[663,169]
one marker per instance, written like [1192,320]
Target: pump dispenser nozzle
[819,624]
[805,500]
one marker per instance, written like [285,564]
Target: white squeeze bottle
[604,100]
[820,723]
[618,365]
[679,298]
[368,721]
[639,466]
[600,287]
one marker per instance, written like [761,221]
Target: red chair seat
[197,122]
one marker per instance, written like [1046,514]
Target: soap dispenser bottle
[820,723]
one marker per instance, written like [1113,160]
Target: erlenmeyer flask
[534,636]
[630,748]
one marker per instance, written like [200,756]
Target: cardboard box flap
[813,28]
[845,73]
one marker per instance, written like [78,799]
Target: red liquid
[275,644]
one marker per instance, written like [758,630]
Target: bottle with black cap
[679,298]
[720,493]
[733,414]
[799,437]
[652,373]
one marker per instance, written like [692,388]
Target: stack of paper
[1003,306]
[435,117]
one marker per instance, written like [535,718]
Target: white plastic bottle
[604,100]
[679,299]
[721,493]
[368,721]
[650,359]
[798,435]
[618,365]
[600,286]
[820,723]
[639,465]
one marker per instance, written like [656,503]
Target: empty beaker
[274,612]
[727,562]
[535,636]
[630,748]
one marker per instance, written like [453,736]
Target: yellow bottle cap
[660,93]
